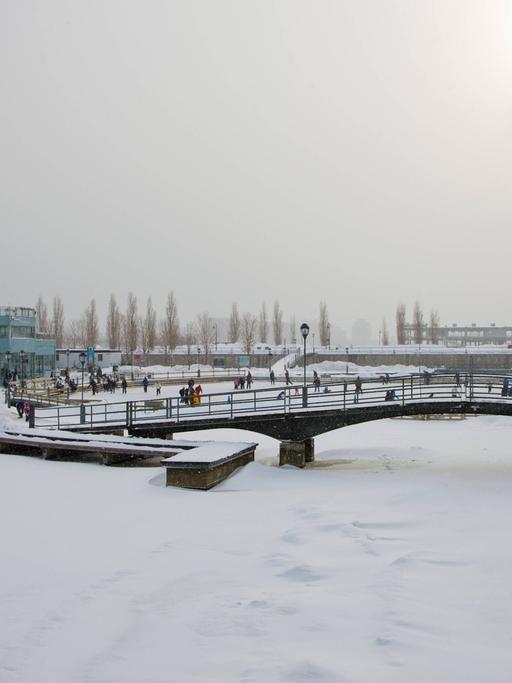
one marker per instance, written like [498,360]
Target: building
[22,349]
[463,335]
[103,358]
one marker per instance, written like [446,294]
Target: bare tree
[171,324]
[205,333]
[43,324]
[385,333]
[434,327]
[417,321]
[113,326]
[400,324]
[263,324]
[57,325]
[148,328]
[234,324]
[293,329]
[74,336]
[277,323]
[248,333]
[189,339]
[131,326]
[323,324]
[91,329]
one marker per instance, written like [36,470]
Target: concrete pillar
[309,453]
[292,453]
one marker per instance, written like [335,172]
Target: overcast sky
[354,151]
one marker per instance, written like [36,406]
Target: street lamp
[198,370]
[67,361]
[304,330]
[269,358]
[22,361]
[215,328]
[82,357]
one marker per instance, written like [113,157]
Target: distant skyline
[354,152]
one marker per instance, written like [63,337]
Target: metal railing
[344,395]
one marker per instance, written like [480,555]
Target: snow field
[388,560]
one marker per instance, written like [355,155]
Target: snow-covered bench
[208,465]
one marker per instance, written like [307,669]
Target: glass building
[22,349]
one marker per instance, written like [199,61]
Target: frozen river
[388,560]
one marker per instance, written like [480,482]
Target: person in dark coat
[124,385]
[272,377]
[287,377]
[504,387]
[145,383]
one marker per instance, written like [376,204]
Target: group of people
[107,383]
[23,409]
[191,395]
[242,381]
[9,376]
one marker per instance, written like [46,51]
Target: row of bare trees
[131,330]
[423,331]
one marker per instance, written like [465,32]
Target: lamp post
[198,370]
[8,361]
[304,330]
[269,358]
[67,362]
[82,357]
[216,340]
[22,361]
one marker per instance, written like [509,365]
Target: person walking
[248,379]
[287,377]
[19,408]
[124,385]
[504,387]
[359,389]
[158,388]
[145,383]
[272,377]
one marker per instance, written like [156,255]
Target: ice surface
[388,560]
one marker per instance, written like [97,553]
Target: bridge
[294,415]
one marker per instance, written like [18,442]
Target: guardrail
[277,400]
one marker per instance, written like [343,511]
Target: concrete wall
[459,361]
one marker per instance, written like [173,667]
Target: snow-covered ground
[388,560]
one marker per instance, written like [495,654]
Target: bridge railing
[343,395]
